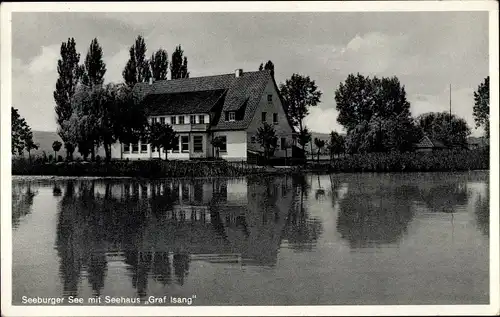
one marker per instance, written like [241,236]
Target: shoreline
[263,174]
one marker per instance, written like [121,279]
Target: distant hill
[44,140]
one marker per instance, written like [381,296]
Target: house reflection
[157,229]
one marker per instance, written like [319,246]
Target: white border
[6,89]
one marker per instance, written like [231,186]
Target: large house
[232,106]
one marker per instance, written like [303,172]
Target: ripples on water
[339,239]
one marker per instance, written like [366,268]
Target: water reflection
[482,211]
[374,213]
[158,228]
[281,238]
[444,197]
[22,202]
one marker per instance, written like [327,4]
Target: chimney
[238,72]
[151,81]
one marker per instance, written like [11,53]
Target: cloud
[32,86]
[115,65]
[323,120]
[372,53]
[46,61]
[462,103]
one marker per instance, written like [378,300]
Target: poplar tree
[137,68]
[159,64]
[69,76]
[178,66]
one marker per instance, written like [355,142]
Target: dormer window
[232,116]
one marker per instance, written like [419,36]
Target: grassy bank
[373,162]
[147,169]
[439,161]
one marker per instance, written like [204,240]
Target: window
[175,148]
[198,143]
[144,147]
[252,139]
[153,120]
[264,114]
[269,98]
[162,120]
[201,118]
[232,116]
[135,148]
[126,148]
[223,147]
[275,118]
[154,149]
[192,119]
[172,119]
[283,143]
[181,119]
[185,143]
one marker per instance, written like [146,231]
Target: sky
[427,51]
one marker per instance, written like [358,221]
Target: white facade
[236,145]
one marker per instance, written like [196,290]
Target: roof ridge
[207,76]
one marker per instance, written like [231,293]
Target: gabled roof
[427,142]
[182,102]
[242,93]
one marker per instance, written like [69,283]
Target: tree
[163,136]
[159,64]
[217,143]
[360,98]
[69,76]
[375,113]
[19,126]
[178,66]
[56,146]
[481,110]
[319,144]
[130,116]
[304,137]
[137,67]
[94,67]
[29,145]
[266,136]
[268,66]
[335,144]
[299,93]
[451,130]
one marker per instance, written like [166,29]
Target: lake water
[340,239]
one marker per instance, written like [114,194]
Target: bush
[59,158]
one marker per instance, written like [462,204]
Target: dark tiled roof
[244,93]
[246,90]
[182,102]
[427,142]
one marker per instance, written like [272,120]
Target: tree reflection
[377,214]
[157,233]
[445,197]
[22,202]
[482,211]
[301,230]
[181,266]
